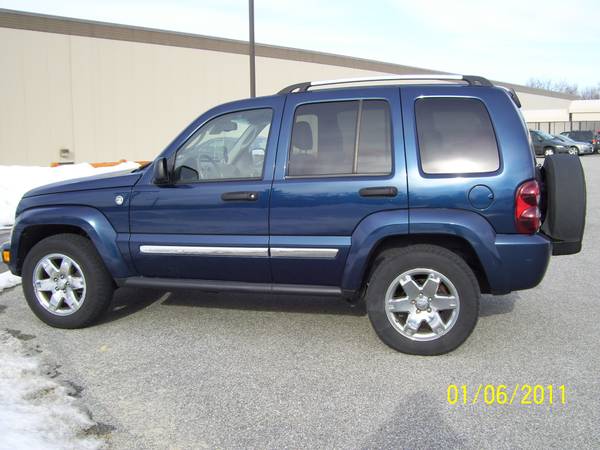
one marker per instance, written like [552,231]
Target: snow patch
[16,180]
[8,280]
[36,411]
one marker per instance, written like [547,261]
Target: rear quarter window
[582,135]
[455,136]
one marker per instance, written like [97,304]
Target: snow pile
[16,180]
[8,280]
[35,411]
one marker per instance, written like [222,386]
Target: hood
[108,180]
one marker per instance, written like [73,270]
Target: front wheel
[65,282]
[573,151]
[422,299]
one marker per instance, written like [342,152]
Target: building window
[341,138]
[455,136]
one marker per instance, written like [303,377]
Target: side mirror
[161,172]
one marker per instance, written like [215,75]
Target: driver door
[211,223]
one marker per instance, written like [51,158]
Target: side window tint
[375,140]
[228,147]
[455,136]
[341,138]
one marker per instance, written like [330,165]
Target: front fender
[90,220]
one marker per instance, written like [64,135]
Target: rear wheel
[65,282]
[422,299]
[548,151]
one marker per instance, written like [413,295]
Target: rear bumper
[523,262]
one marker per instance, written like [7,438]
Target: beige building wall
[108,92]
[35,96]
[588,110]
[543,108]
[106,99]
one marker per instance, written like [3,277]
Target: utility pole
[252,50]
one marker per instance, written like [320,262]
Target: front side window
[228,147]
[341,138]
[455,136]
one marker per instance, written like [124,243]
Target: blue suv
[414,198]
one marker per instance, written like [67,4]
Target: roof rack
[472,80]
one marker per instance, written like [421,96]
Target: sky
[512,40]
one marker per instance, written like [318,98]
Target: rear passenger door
[340,158]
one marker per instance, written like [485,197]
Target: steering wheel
[202,173]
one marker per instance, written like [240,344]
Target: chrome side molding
[310,252]
[259,252]
[256,252]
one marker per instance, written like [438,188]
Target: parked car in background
[544,144]
[576,148]
[584,136]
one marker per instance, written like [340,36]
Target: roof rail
[472,80]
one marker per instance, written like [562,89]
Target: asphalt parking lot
[197,370]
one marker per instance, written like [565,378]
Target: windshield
[564,139]
[544,135]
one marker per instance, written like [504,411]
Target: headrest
[302,137]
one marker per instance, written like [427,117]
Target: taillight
[527,208]
[594,141]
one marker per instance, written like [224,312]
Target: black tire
[394,262]
[99,283]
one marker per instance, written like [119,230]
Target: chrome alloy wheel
[573,151]
[548,152]
[422,304]
[59,284]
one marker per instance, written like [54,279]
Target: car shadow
[127,301]
[265,302]
[492,305]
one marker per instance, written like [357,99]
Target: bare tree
[591,92]
[555,86]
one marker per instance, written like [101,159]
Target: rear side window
[455,136]
[341,138]
[581,135]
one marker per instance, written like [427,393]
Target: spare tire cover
[564,182]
